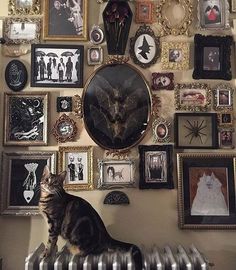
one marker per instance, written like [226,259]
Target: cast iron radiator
[154,259]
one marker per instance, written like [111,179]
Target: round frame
[96,35]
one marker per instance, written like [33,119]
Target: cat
[76,221]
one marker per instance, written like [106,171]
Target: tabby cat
[76,221]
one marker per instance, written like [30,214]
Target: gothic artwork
[64,104]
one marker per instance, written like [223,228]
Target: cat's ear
[46,172]
[62,176]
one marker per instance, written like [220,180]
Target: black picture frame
[72,76]
[64,104]
[152,156]
[217,65]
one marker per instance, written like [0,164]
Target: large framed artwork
[21,175]
[206,191]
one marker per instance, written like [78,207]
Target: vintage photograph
[144,12]
[226,138]
[64,104]
[211,56]
[223,97]
[175,55]
[161,130]
[162,81]
[95,55]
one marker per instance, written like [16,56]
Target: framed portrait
[213,15]
[57,65]
[24,7]
[64,104]
[161,130]
[226,138]
[95,55]
[78,163]
[212,57]
[196,130]
[116,174]
[175,55]
[223,97]
[22,30]
[21,176]
[162,81]
[96,35]
[206,191]
[144,12]
[144,47]
[65,20]
[192,97]
[26,117]
[225,119]
[155,166]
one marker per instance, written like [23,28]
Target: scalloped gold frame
[13,9]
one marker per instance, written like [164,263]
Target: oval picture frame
[96,35]
[161,130]
[16,75]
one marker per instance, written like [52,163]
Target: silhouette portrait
[144,48]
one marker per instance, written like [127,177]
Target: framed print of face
[144,12]
[57,65]
[24,7]
[78,162]
[212,57]
[196,130]
[225,119]
[162,81]
[65,20]
[161,130]
[155,166]
[226,138]
[223,97]
[22,172]
[95,55]
[26,118]
[206,191]
[144,47]
[64,104]
[96,35]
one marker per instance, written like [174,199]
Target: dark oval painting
[117,105]
[16,75]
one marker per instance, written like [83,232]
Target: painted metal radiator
[168,258]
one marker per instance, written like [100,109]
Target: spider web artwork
[196,131]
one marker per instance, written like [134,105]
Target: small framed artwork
[161,130]
[57,65]
[223,97]
[144,12]
[96,35]
[175,55]
[162,81]
[144,47]
[26,117]
[21,175]
[206,191]
[225,119]
[155,166]
[24,7]
[233,6]
[65,21]
[192,97]
[78,162]
[22,30]
[64,104]
[226,138]
[196,130]
[95,55]
[212,57]
[116,174]
[213,15]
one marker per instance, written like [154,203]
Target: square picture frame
[64,104]
[21,176]
[65,69]
[163,81]
[65,21]
[225,119]
[155,166]
[95,56]
[223,97]
[21,7]
[209,176]
[26,118]
[212,57]
[226,138]
[196,130]
[144,12]
[78,163]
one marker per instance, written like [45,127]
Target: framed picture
[65,20]
[78,162]
[95,55]
[161,130]
[225,119]
[226,138]
[155,166]
[196,130]
[26,117]
[233,6]
[144,47]
[22,30]
[223,97]
[206,191]
[175,55]
[21,176]
[57,65]
[162,81]
[212,57]
[192,97]
[96,35]
[116,174]
[64,104]
[24,7]
[144,12]
[213,15]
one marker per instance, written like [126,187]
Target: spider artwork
[195,130]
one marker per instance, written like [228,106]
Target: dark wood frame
[169,75]
[69,100]
[138,12]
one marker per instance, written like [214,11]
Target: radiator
[167,258]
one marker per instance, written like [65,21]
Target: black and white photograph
[64,104]
[57,65]
[211,58]
[175,55]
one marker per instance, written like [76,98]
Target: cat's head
[52,183]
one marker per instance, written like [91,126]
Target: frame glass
[212,57]
[144,12]
[206,191]
[226,138]
[26,117]
[78,162]
[116,174]
[21,176]
[162,81]
[196,130]
[24,7]
[225,119]
[95,55]
[155,166]
[223,97]
[65,20]
[161,130]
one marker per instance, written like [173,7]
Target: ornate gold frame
[14,10]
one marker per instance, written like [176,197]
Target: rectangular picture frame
[21,7]
[223,97]
[95,55]
[226,138]
[209,176]
[21,176]
[144,12]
